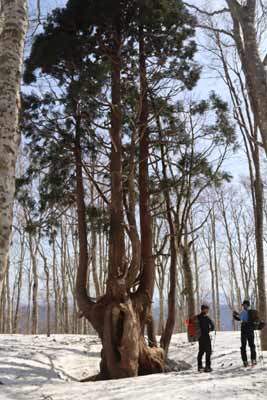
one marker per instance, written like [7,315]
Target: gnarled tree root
[151,359]
[125,352]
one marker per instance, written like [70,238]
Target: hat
[204,307]
[246,302]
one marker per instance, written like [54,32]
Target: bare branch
[217,30]
[209,14]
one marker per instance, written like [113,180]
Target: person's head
[205,309]
[246,304]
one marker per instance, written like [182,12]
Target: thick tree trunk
[119,317]
[147,259]
[12,37]
[117,262]
[125,352]
[259,235]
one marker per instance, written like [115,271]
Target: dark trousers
[247,336]
[204,348]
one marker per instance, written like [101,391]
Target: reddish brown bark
[134,268]
[148,267]
[117,263]
[147,259]
[170,323]
[185,250]
[119,317]
[88,308]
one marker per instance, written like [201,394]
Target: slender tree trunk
[161,285]
[170,323]
[48,311]
[64,277]
[83,300]
[29,300]
[8,301]
[101,262]
[34,318]
[55,286]
[94,243]
[216,268]
[231,252]
[47,283]
[3,309]
[19,286]
[196,272]
[134,268]
[94,262]
[212,275]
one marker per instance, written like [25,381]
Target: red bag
[193,329]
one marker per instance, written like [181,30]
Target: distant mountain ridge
[226,318]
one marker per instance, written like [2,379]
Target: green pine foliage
[72,59]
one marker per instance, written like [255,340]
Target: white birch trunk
[12,38]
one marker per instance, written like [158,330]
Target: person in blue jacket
[247,333]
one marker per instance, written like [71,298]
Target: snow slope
[41,368]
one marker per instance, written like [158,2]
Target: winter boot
[253,363]
[245,364]
[200,369]
[207,369]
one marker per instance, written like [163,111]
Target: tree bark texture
[12,39]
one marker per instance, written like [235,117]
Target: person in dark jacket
[247,333]
[206,325]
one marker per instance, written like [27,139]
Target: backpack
[193,329]
[254,319]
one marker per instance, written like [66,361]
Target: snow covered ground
[41,368]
